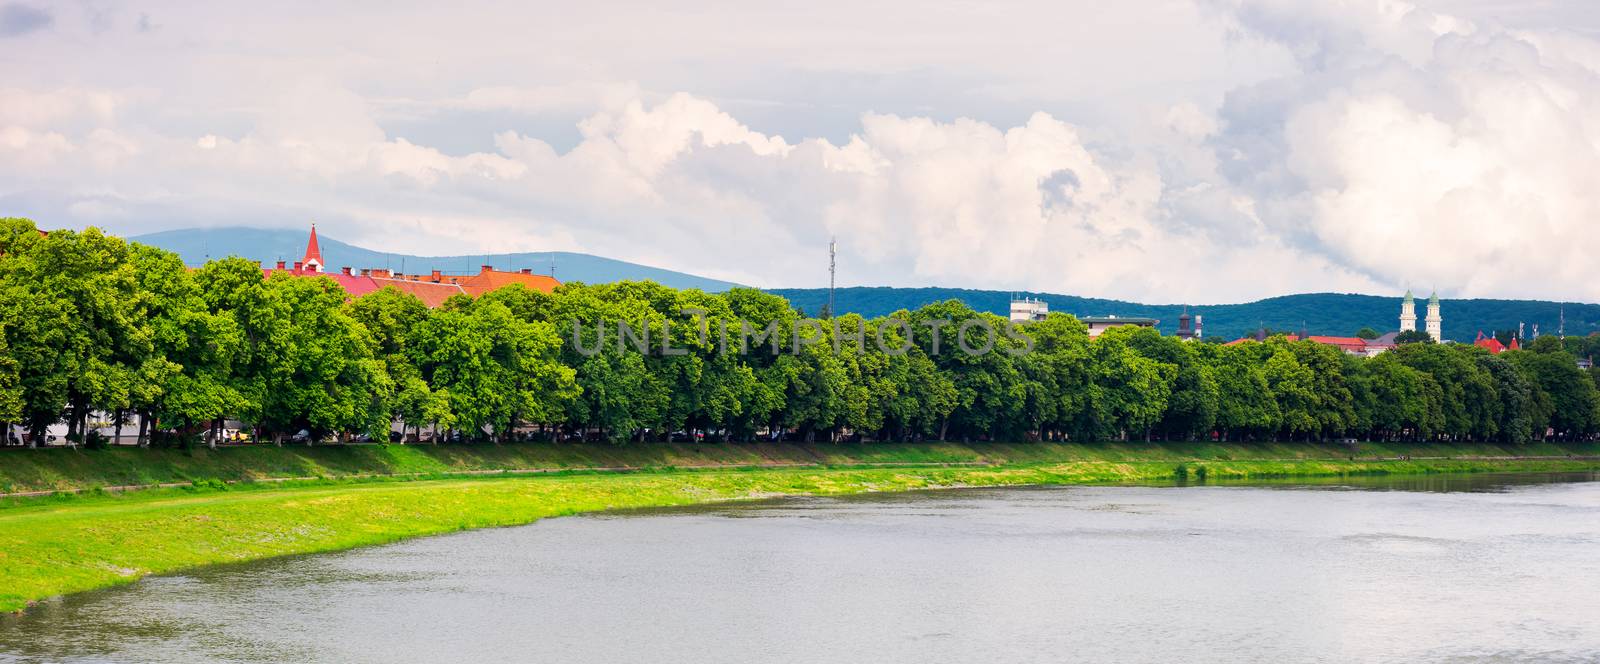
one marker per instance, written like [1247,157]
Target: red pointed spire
[313,252]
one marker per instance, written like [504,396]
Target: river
[1482,568]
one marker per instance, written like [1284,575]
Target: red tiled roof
[433,289]
[1240,340]
[356,286]
[1346,343]
[491,279]
[1491,343]
[1349,344]
[432,294]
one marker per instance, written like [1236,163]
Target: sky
[1195,151]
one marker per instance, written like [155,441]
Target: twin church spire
[1434,322]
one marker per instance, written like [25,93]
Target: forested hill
[197,245]
[1339,314]
[1319,313]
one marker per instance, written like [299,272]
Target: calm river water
[1447,569]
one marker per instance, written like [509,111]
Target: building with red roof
[1493,345]
[313,260]
[432,289]
[488,279]
[1351,345]
[355,285]
[432,292]
[312,266]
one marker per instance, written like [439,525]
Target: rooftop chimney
[527,270]
[435,276]
[280,265]
[365,271]
[486,268]
[344,271]
[297,266]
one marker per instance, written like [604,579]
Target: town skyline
[432,279]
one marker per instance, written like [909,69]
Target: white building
[1408,314]
[1434,321]
[1098,324]
[1028,310]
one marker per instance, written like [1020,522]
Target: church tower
[1408,314]
[313,259]
[1435,321]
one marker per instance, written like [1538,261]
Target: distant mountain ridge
[1339,314]
[197,245]
[1336,314]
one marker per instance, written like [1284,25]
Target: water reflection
[1434,568]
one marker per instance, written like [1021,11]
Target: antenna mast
[833,250]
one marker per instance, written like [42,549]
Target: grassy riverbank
[62,544]
[64,469]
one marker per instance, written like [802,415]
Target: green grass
[70,543]
[63,469]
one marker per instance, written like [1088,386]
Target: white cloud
[1468,166]
[29,108]
[1242,150]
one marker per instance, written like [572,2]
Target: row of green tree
[92,326]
